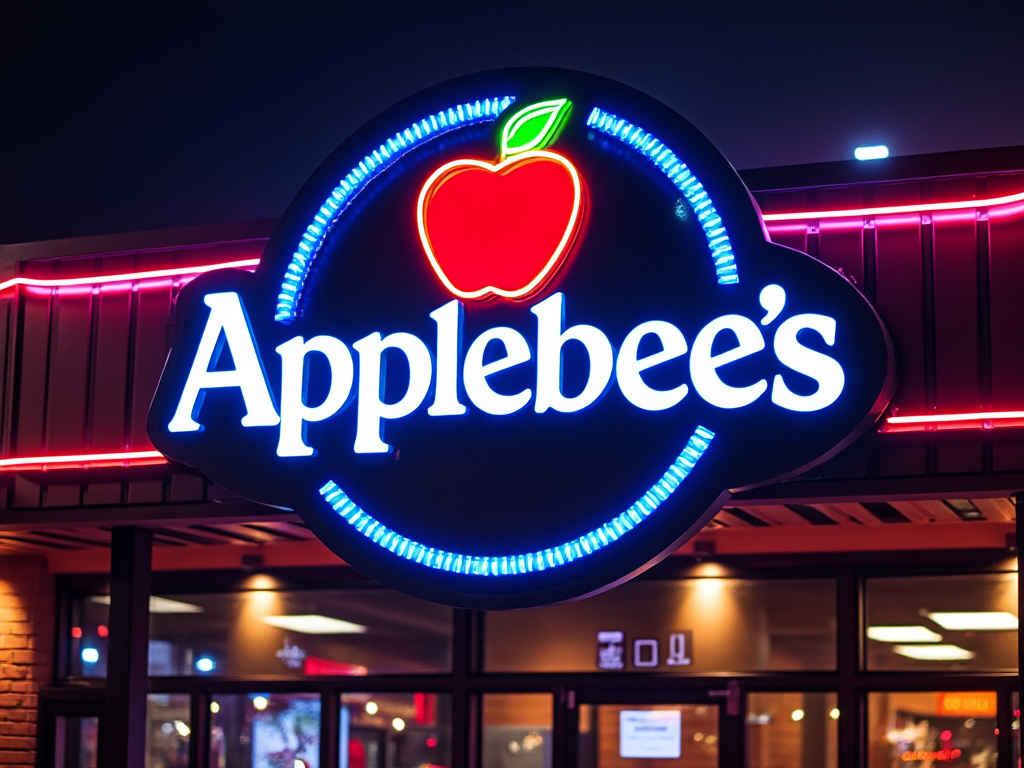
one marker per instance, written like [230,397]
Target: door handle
[731,694]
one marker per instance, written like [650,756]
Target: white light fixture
[313,624]
[398,724]
[214,707]
[182,728]
[978,621]
[260,703]
[90,655]
[834,713]
[877,152]
[797,715]
[903,634]
[158,605]
[371,707]
[205,664]
[934,652]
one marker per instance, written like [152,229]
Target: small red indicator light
[101,630]
[946,735]
[76,632]
[431,742]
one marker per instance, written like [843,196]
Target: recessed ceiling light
[903,634]
[159,605]
[934,652]
[980,621]
[313,624]
[877,152]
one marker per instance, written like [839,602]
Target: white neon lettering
[372,409]
[449,336]
[704,366]
[550,340]
[628,368]
[475,373]
[227,318]
[822,368]
[295,413]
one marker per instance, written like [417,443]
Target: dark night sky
[115,121]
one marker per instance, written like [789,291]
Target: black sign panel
[516,340]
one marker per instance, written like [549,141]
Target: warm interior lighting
[313,624]
[214,707]
[260,703]
[883,210]
[934,652]
[978,621]
[82,460]
[797,715]
[371,707]
[398,724]
[182,729]
[158,605]
[834,713]
[876,152]
[903,634]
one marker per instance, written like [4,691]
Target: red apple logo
[503,228]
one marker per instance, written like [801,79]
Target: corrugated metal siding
[947,285]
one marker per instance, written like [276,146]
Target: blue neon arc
[512,565]
[666,161]
[371,166]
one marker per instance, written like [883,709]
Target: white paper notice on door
[650,733]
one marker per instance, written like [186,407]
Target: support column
[124,722]
[1019,509]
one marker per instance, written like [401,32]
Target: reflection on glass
[641,736]
[394,730]
[932,729]
[792,730]
[75,743]
[516,730]
[942,622]
[265,730]
[266,631]
[686,625]
[168,730]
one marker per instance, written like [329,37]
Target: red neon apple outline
[553,113]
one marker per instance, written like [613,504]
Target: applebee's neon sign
[227,321]
[505,356]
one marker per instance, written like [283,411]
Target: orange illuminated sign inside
[966,704]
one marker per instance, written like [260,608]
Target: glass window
[75,742]
[792,730]
[297,633]
[942,622]
[687,625]
[168,730]
[919,729]
[517,730]
[381,730]
[265,730]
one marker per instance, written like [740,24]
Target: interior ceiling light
[877,152]
[159,605]
[313,624]
[903,634]
[934,652]
[978,621]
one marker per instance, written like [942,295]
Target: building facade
[862,614]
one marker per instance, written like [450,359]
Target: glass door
[656,729]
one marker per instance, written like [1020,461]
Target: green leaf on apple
[534,126]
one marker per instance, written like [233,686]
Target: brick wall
[27,614]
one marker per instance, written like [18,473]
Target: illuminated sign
[517,339]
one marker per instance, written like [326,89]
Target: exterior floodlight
[879,152]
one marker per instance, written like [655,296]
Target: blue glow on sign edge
[512,565]
[666,161]
[370,166]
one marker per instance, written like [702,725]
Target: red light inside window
[431,742]
[101,630]
[946,735]
[76,632]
